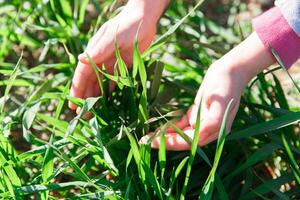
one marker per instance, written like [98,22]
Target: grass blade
[28,118]
[265,127]
[159,42]
[87,106]
[193,150]
[259,155]
[162,155]
[207,189]
[12,77]
[293,162]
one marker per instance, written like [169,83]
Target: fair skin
[225,79]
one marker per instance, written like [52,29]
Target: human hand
[135,17]
[216,93]
[224,80]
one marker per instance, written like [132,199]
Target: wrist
[150,10]
[249,58]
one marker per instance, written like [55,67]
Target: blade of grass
[30,189]
[48,163]
[56,12]
[176,174]
[105,154]
[122,66]
[48,167]
[8,184]
[162,156]
[99,195]
[293,162]
[162,39]
[265,127]
[12,77]
[207,190]
[200,152]
[9,170]
[87,106]
[159,67]
[83,6]
[136,156]
[193,150]
[139,67]
[28,119]
[259,155]
[268,186]
[221,189]
[153,180]
[96,70]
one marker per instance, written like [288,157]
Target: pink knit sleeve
[273,29]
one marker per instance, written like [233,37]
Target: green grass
[46,152]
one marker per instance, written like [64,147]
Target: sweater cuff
[273,29]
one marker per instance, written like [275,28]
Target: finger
[212,123]
[206,140]
[208,131]
[71,105]
[109,70]
[112,86]
[83,74]
[193,112]
[99,49]
[199,95]
[95,39]
[232,114]
[145,139]
[87,115]
[78,109]
[190,118]
[92,79]
[89,91]
[79,82]
[96,90]
[174,142]
[206,134]
[181,124]
[94,44]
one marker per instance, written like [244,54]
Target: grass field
[47,152]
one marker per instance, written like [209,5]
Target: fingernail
[81,57]
[78,109]
[143,140]
[87,115]
[71,105]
